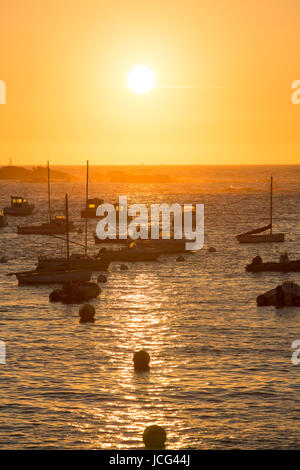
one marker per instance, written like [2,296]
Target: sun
[141,79]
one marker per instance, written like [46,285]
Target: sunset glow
[141,79]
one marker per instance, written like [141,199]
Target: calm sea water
[221,374]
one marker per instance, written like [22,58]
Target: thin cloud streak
[191,87]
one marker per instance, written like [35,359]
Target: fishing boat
[19,206]
[56,225]
[90,211]
[3,219]
[256,235]
[58,276]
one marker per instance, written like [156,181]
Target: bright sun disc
[141,79]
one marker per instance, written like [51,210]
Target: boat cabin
[16,201]
[91,208]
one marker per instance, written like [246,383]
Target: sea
[221,376]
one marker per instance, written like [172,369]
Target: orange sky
[62,62]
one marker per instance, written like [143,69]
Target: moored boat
[76,261]
[56,275]
[3,219]
[131,254]
[55,226]
[257,235]
[90,211]
[285,295]
[52,277]
[164,246]
[284,265]
[116,241]
[75,292]
[19,206]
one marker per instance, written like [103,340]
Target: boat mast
[86,206]
[49,203]
[67,222]
[271,205]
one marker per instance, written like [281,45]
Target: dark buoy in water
[154,437]
[124,267]
[101,278]
[180,258]
[211,249]
[256,260]
[141,360]
[55,296]
[87,313]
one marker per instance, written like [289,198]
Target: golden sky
[64,63]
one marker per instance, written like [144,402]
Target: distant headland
[38,174]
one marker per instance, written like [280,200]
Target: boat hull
[289,267]
[60,264]
[3,221]
[269,238]
[52,277]
[43,230]
[116,241]
[131,255]
[164,247]
[19,212]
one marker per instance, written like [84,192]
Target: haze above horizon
[221,95]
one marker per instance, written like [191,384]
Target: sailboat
[77,261]
[55,277]
[56,225]
[256,235]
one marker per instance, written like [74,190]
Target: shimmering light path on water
[221,372]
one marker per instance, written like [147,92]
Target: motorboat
[19,206]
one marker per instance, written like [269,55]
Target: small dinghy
[130,254]
[75,292]
[283,266]
[285,295]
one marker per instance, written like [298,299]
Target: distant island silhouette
[38,174]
